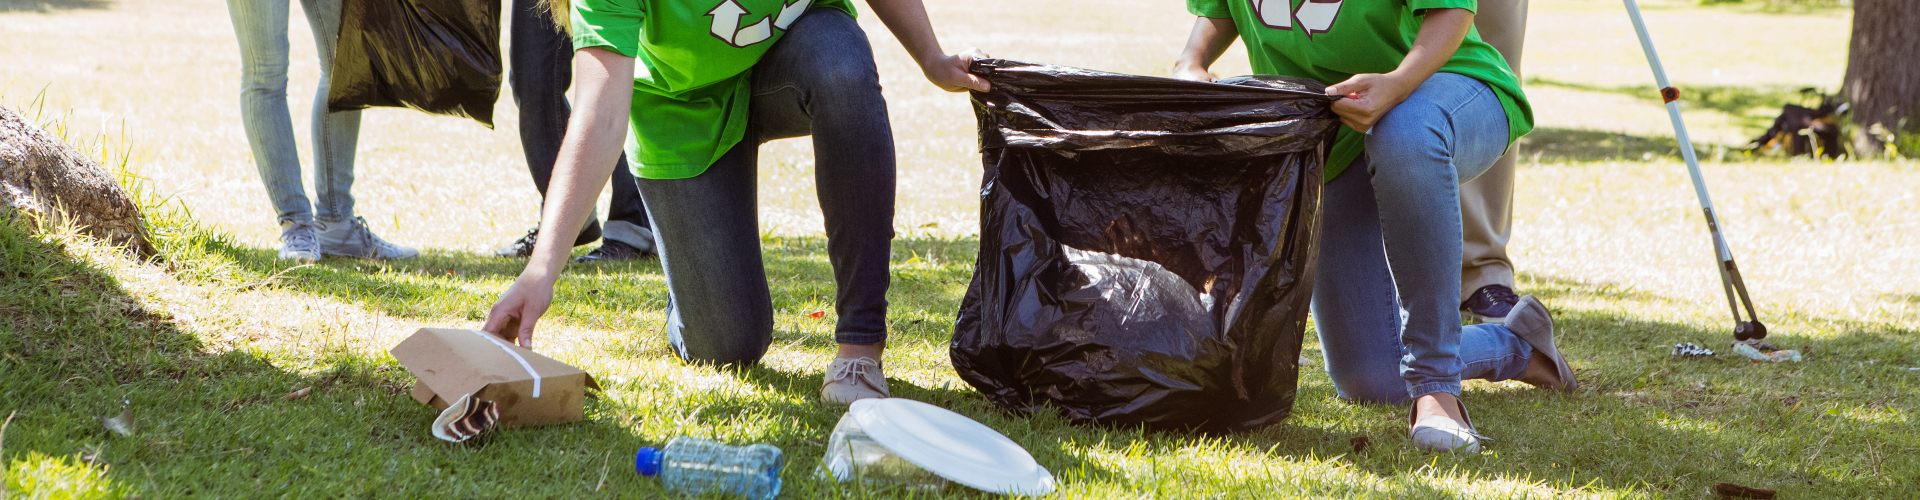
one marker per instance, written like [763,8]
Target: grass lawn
[202,345]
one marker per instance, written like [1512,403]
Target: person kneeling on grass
[1427,106]
[715,79]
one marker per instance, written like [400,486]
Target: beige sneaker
[853,379]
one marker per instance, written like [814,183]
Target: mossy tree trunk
[1883,73]
[41,176]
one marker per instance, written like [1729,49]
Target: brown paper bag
[527,388]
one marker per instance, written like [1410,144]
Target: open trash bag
[1146,245]
[437,56]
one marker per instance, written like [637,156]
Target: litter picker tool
[1744,329]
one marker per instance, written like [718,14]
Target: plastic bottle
[694,466]
[851,453]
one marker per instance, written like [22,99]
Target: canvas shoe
[299,241]
[1490,304]
[1441,434]
[1531,322]
[612,250]
[522,247]
[853,379]
[352,238]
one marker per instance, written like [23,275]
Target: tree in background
[1883,75]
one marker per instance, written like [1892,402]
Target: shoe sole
[1544,343]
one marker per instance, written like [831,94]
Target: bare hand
[1187,72]
[1369,96]
[950,72]
[514,316]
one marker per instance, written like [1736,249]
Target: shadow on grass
[1564,145]
[924,292]
[52,5]
[76,347]
[1643,421]
[1752,106]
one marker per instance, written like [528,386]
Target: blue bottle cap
[647,461]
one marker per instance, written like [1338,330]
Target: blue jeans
[819,80]
[261,26]
[541,72]
[1390,238]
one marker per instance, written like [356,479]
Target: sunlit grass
[203,343]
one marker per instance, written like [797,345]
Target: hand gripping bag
[437,56]
[1146,246]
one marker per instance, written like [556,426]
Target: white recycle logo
[1315,16]
[726,22]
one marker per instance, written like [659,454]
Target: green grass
[203,343]
[211,422]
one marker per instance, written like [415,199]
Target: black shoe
[1491,303]
[523,246]
[615,251]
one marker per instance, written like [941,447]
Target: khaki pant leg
[1486,202]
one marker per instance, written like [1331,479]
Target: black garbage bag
[437,56]
[1146,246]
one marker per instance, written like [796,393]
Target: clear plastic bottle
[851,453]
[694,466]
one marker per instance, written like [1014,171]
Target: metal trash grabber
[1749,328]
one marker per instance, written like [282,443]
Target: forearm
[1209,39]
[1441,32]
[907,19]
[604,92]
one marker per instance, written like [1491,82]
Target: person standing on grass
[1486,202]
[694,87]
[540,76]
[1427,105]
[307,230]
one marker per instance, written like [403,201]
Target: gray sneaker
[1531,322]
[299,241]
[352,238]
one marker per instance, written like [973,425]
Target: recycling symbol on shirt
[726,22]
[1314,16]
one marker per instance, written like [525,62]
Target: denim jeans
[819,80]
[261,26]
[540,73]
[1390,238]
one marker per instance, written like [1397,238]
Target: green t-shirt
[693,79]
[1330,41]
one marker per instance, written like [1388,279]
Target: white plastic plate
[952,445]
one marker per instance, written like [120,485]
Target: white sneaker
[853,379]
[352,238]
[299,241]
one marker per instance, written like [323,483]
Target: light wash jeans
[261,26]
[1390,238]
[819,80]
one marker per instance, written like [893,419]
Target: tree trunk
[1882,84]
[41,176]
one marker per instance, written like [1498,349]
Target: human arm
[907,19]
[603,86]
[1210,38]
[1371,95]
